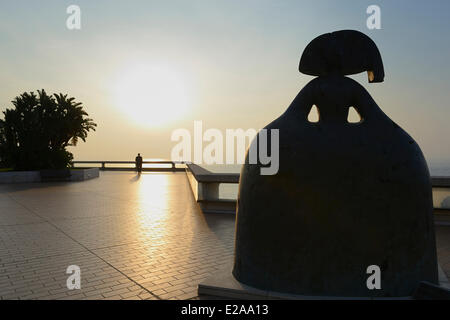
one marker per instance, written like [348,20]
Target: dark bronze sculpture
[346,196]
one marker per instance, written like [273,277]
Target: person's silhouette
[138,163]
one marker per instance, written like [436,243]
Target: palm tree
[35,133]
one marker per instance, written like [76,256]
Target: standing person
[138,163]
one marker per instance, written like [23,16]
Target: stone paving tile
[134,238]
[12,213]
[171,265]
[45,278]
[23,242]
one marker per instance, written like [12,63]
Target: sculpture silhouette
[346,196]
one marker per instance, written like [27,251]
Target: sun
[151,95]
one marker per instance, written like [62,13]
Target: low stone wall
[84,174]
[205,187]
[20,176]
[35,176]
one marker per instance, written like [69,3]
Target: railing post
[103,166]
[208,191]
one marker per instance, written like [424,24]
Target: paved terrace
[133,238]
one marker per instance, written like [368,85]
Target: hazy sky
[233,64]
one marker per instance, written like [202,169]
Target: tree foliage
[35,133]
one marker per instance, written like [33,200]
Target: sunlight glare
[152,95]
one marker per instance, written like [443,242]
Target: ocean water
[443,171]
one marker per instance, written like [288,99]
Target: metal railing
[171,165]
[441,199]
